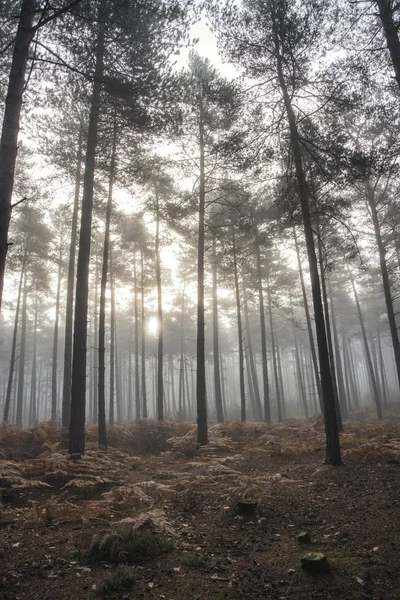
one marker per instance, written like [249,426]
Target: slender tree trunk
[353,377]
[273,348]
[201,393]
[382,259]
[300,374]
[136,309]
[391,33]
[96,347]
[267,403]
[375,391]
[117,366]
[22,351]
[217,370]
[112,347]
[342,394]
[181,394]
[144,390]
[240,330]
[333,455]
[282,392]
[54,363]
[160,343]
[69,309]
[308,320]
[382,369]
[253,371]
[11,125]
[14,339]
[78,385]
[32,406]
[102,429]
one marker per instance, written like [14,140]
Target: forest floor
[60,518]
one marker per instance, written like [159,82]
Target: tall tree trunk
[32,404]
[96,348]
[253,371]
[144,390]
[102,429]
[300,380]
[375,391]
[344,412]
[181,393]
[353,377]
[308,320]
[201,393]
[117,368]
[267,403]
[391,33]
[240,330]
[79,357]
[69,309]
[14,339]
[136,308]
[383,263]
[382,369]
[11,125]
[282,393]
[22,351]
[217,369]
[273,348]
[333,455]
[112,347]
[160,331]
[329,336]
[54,363]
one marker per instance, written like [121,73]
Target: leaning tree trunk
[308,320]
[11,124]
[79,357]
[69,309]
[374,386]
[217,367]
[102,429]
[21,363]
[344,412]
[14,339]
[267,404]
[391,32]
[385,390]
[333,455]
[160,320]
[54,363]
[385,274]
[201,394]
[240,330]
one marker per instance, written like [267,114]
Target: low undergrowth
[128,547]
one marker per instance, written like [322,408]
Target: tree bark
[11,125]
[391,34]
[112,347]
[344,412]
[333,455]
[32,407]
[201,393]
[69,309]
[78,385]
[253,371]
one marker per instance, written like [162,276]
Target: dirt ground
[53,506]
